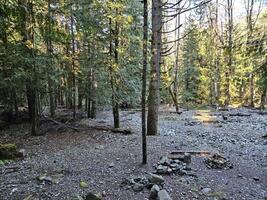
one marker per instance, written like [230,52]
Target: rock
[217,161]
[165,161]
[156,179]
[31,197]
[183,181]
[163,195]
[104,194]
[111,165]
[161,169]
[182,172]
[206,190]
[126,182]
[55,178]
[141,180]
[83,184]
[137,187]
[22,153]
[256,178]
[154,192]
[77,197]
[91,196]
[187,158]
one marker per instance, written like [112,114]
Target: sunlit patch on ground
[205,117]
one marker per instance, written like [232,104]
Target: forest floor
[102,159]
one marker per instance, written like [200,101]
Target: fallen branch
[174,112]
[62,124]
[239,115]
[190,152]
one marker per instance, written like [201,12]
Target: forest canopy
[88,55]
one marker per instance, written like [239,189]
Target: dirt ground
[103,159]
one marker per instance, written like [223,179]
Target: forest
[127,99]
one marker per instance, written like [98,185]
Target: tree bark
[229,52]
[115,104]
[176,67]
[50,70]
[154,94]
[251,90]
[144,77]
[73,64]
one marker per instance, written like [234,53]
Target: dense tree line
[86,55]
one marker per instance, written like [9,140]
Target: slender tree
[144,79]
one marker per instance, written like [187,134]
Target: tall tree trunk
[250,22]
[115,104]
[93,99]
[116,57]
[89,94]
[144,77]
[50,71]
[32,84]
[154,94]
[73,65]
[251,90]
[176,67]
[263,98]
[229,69]
[217,53]
[80,94]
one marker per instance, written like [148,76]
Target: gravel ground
[103,159]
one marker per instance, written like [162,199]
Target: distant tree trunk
[73,65]
[89,94]
[116,57]
[49,52]
[229,52]
[174,89]
[144,78]
[154,95]
[217,61]
[91,100]
[115,104]
[15,99]
[80,95]
[94,88]
[32,83]
[263,99]
[249,5]
[251,89]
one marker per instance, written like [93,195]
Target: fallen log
[114,130]
[121,130]
[174,112]
[239,114]
[201,153]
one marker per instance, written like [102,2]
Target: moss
[8,151]
[3,162]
